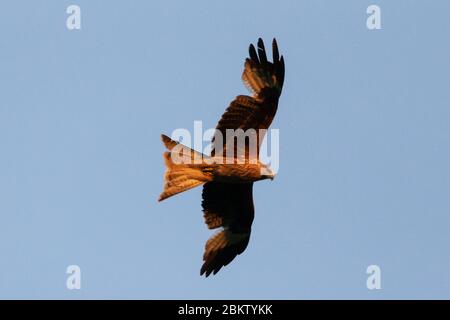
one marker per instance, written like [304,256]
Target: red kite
[227,187]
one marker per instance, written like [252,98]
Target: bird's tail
[184,171]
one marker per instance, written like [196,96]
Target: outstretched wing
[231,208]
[265,80]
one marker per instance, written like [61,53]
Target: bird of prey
[227,187]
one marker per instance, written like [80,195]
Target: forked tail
[182,172]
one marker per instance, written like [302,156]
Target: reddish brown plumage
[227,194]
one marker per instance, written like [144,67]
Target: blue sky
[364,148]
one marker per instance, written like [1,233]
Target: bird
[227,196]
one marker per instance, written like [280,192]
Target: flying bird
[227,187]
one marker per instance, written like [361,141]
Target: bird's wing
[229,206]
[265,80]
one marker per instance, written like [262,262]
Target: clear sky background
[364,140]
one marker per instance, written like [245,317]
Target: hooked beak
[270,176]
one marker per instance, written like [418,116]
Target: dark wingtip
[252,53]
[261,51]
[275,52]
[202,269]
[281,70]
[205,272]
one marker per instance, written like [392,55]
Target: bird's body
[228,182]
[239,173]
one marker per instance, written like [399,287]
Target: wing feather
[230,206]
[262,52]
[263,78]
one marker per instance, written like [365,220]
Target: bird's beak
[271,176]
[268,174]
